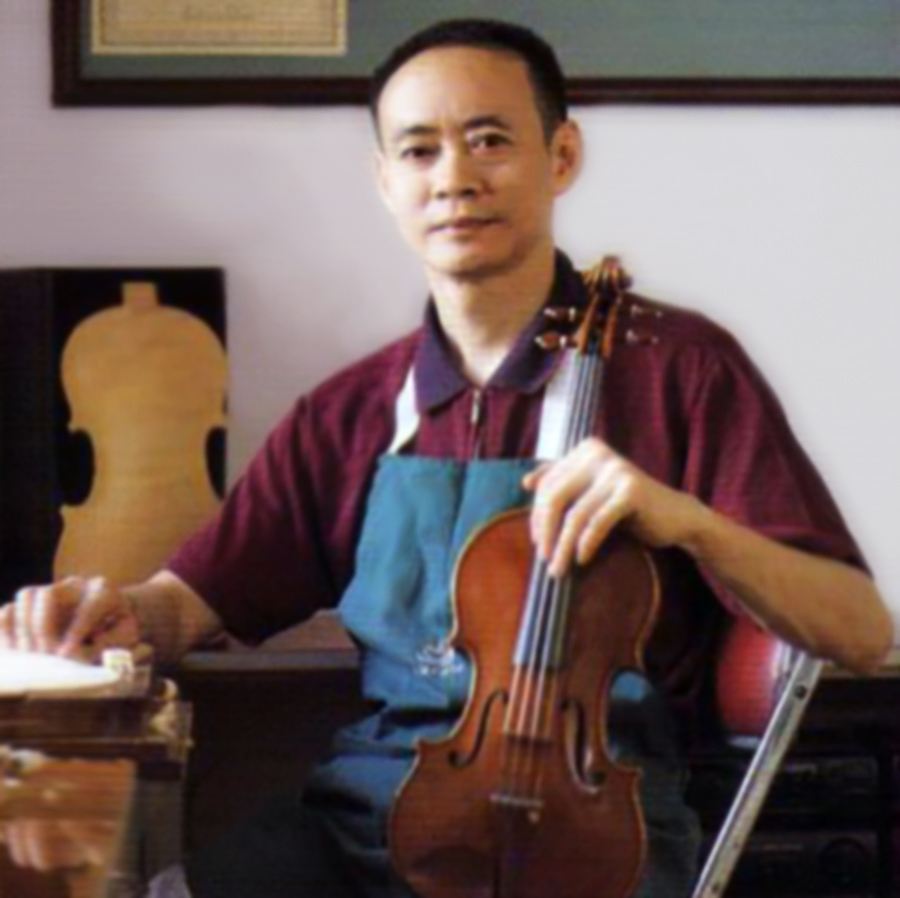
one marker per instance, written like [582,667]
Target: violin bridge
[532,808]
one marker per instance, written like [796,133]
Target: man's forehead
[467,84]
[460,54]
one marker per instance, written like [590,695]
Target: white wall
[781,223]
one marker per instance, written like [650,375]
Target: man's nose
[456,174]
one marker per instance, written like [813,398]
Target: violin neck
[541,640]
[584,399]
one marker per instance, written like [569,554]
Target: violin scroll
[595,325]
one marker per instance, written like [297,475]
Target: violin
[521,799]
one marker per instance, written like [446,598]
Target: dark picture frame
[696,51]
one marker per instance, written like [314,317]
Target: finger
[120,628]
[54,608]
[24,637]
[559,489]
[597,529]
[593,505]
[8,626]
[100,607]
[27,623]
[531,480]
[122,633]
[50,610]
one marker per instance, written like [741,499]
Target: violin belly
[499,846]
[525,803]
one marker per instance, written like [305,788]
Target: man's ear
[379,164]
[567,155]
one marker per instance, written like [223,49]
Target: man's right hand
[76,617]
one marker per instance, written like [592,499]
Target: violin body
[498,810]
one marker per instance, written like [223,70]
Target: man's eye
[417,152]
[490,140]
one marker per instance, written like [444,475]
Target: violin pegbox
[591,329]
[564,322]
[571,327]
[612,317]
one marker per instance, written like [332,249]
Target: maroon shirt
[680,399]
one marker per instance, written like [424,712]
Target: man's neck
[482,318]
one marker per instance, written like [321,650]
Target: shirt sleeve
[744,461]
[259,563]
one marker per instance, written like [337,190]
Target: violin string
[536,711]
[550,587]
[525,655]
[549,672]
[540,668]
[519,689]
[523,701]
[530,707]
[557,592]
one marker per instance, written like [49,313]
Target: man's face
[464,165]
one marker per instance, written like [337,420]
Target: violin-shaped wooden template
[147,384]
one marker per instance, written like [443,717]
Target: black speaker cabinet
[793,864]
[42,464]
[809,790]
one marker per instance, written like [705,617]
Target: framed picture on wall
[182,52]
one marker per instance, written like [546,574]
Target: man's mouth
[463,224]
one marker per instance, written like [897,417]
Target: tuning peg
[552,341]
[633,338]
[569,314]
[636,310]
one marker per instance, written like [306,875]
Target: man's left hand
[579,498]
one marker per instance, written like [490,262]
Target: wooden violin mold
[147,384]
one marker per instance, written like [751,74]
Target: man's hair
[544,72]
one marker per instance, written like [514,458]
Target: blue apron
[420,513]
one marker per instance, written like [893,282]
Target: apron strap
[555,409]
[551,433]
[406,416]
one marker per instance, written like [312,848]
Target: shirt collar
[525,369]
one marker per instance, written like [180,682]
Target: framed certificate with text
[171,52]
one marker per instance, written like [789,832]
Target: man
[365,493]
